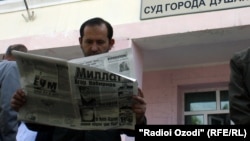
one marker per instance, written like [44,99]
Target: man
[19,47]
[9,83]
[96,37]
[239,87]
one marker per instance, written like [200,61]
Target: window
[17,5]
[206,107]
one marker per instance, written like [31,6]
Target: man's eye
[100,42]
[88,42]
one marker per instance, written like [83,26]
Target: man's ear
[80,40]
[9,58]
[111,43]
[80,43]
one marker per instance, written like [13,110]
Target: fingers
[138,99]
[18,100]
[140,93]
[139,106]
[139,109]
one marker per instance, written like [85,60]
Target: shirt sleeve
[8,117]
[239,96]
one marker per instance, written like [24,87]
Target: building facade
[185,56]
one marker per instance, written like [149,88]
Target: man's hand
[18,100]
[139,107]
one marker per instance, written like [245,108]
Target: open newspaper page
[113,93]
[102,98]
[46,82]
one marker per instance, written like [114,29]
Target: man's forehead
[95,28]
[95,33]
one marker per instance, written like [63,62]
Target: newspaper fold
[90,93]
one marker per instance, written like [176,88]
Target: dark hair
[18,47]
[97,21]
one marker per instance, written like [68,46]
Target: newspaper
[89,93]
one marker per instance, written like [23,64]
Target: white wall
[67,17]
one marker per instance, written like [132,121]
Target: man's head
[19,47]
[96,36]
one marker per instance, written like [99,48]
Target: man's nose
[94,47]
